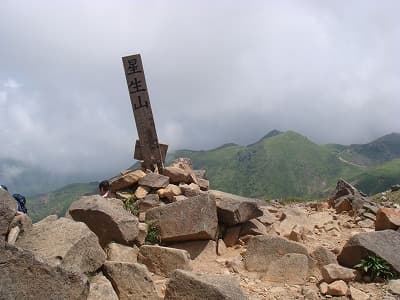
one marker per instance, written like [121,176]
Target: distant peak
[267,136]
[226,146]
[272,134]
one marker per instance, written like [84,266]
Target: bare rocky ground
[328,229]
[167,236]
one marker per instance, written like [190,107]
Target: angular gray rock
[107,218]
[154,181]
[101,289]
[198,249]
[131,281]
[66,243]
[253,227]
[262,250]
[25,276]
[381,243]
[184,285]
[192,219]
[8,208]
[347,197]
[291,268]
[323,257]
[121,253]
[234,209]
[150,201]
[163,260]
[231,235]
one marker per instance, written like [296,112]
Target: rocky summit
[167,236]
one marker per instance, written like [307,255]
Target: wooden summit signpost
[147,149]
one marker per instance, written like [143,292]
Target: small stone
[13,235]
[323,287]
[394,286]
[356,294]
[169,192]
[190,190]
[141,192]
[142,217]
[338,288]
[143,230]
[309,294]
[333,272]
[204,184]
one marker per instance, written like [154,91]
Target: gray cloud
[217,72]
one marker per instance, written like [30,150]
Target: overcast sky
[217,72]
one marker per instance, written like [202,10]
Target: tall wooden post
[147,148]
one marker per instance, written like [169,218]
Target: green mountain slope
[380,178]
[279,165]
[57,202]
[377,152]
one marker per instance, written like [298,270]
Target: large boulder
[107,218]
[150,201]
[293,217]
[233,209]
[101,289]
[387,218]
[126,180]
[154,181]
[177,175]
[383,243]
[192,219]
[8,208]
[323,257]
[66,243]
[163,260]
[291,268]
[23,275]
[131,281]
[198,249]
[121,253]
[262,250]
[184,285]
[346,197]
[231,235]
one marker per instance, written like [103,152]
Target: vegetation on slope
[380,178]
[377,152]
[57,202]
[283,165]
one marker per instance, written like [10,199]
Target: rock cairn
[168,236]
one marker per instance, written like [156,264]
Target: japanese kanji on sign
[147,149]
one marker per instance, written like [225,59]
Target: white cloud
[216,72]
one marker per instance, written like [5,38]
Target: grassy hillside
[283,165]
[280,165]
[380,178]
[57,202]
[377,152]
